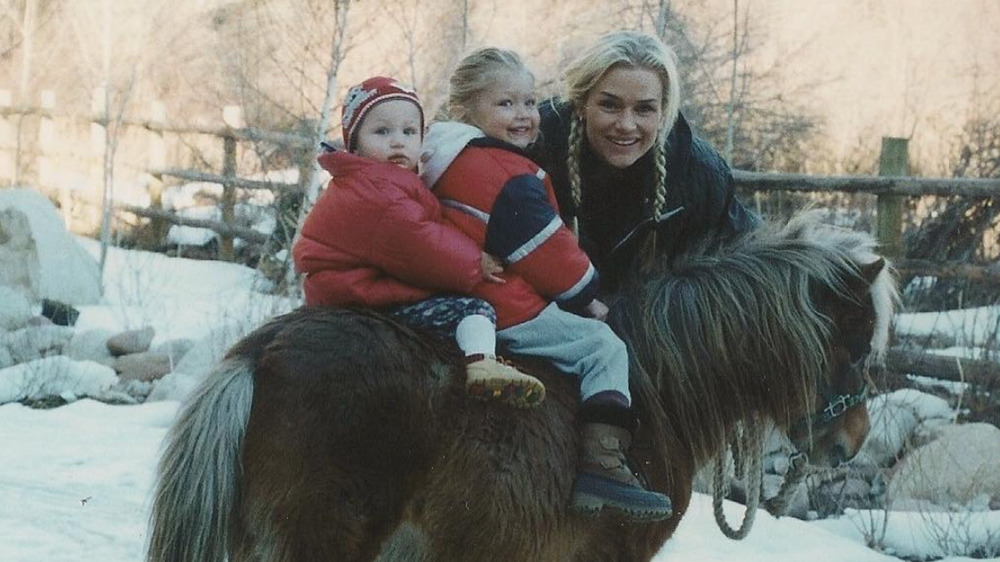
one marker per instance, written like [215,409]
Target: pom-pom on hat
[366,95]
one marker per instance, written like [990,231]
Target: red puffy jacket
[376,237]
[505,202]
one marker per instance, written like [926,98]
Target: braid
[573,167]
[660,196]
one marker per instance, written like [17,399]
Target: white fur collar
[442,144]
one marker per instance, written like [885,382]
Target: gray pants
[575,345]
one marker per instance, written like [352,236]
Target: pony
[342,435]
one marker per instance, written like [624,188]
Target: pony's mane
[731,330]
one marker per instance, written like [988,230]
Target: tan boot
[604,480]
[489,379]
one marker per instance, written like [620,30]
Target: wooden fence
[16,150]
[891,187]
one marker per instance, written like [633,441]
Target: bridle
[838,404]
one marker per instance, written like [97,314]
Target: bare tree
[21,21]
[337,53]
[112,68]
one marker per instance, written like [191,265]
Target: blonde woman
[494,193]
[619,154]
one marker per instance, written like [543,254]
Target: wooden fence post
[233,117]
[157,160]
[893,161]
[8,142]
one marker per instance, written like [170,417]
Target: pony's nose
[840,454]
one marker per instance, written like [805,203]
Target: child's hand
[491,267]
[597,309]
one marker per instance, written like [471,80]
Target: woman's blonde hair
[475,74]
[622,49]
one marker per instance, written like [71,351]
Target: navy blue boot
[604,481]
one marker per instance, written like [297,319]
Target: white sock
[476,334]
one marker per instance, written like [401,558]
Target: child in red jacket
[494,193]
[377,238]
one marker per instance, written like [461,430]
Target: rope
[778,505]
[751,465]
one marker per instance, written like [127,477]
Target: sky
[75,481]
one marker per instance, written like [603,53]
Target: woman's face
[623,113]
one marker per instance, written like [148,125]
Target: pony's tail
[198,474]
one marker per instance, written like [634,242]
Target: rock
[54,376]
[19,266]
[798,505]
[28,344]
[59,312]
[6,360]
[176,348]
[979,503]
[145,366]
[173,386]
[850,488]
[890,431]
[955,468]
[894,419]
[920,506]
[929,430]
[39,320]
[131,341]
[15,309]
[38,255]
[91,345]
[119,394]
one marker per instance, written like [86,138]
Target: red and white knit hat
[366,95]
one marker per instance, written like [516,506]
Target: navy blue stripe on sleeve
[522,219]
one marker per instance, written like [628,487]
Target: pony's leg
[340,437]
[311,495]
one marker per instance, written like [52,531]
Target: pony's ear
[871,270]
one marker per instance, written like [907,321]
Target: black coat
[614,201]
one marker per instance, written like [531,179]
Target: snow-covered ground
[75,480]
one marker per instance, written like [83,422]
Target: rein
[798,462]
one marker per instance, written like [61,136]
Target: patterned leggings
[441,315]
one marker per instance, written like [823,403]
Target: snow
[54,376]
[973,327]
[76,479]
[66,273]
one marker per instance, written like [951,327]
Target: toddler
[376,238]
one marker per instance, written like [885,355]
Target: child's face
[508,111]
[391,133]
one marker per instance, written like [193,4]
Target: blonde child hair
[475,74]
[634,50]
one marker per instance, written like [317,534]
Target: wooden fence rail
[874,185]
[223,229]
[224,180]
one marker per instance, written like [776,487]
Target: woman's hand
[491,267]
[597,310]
